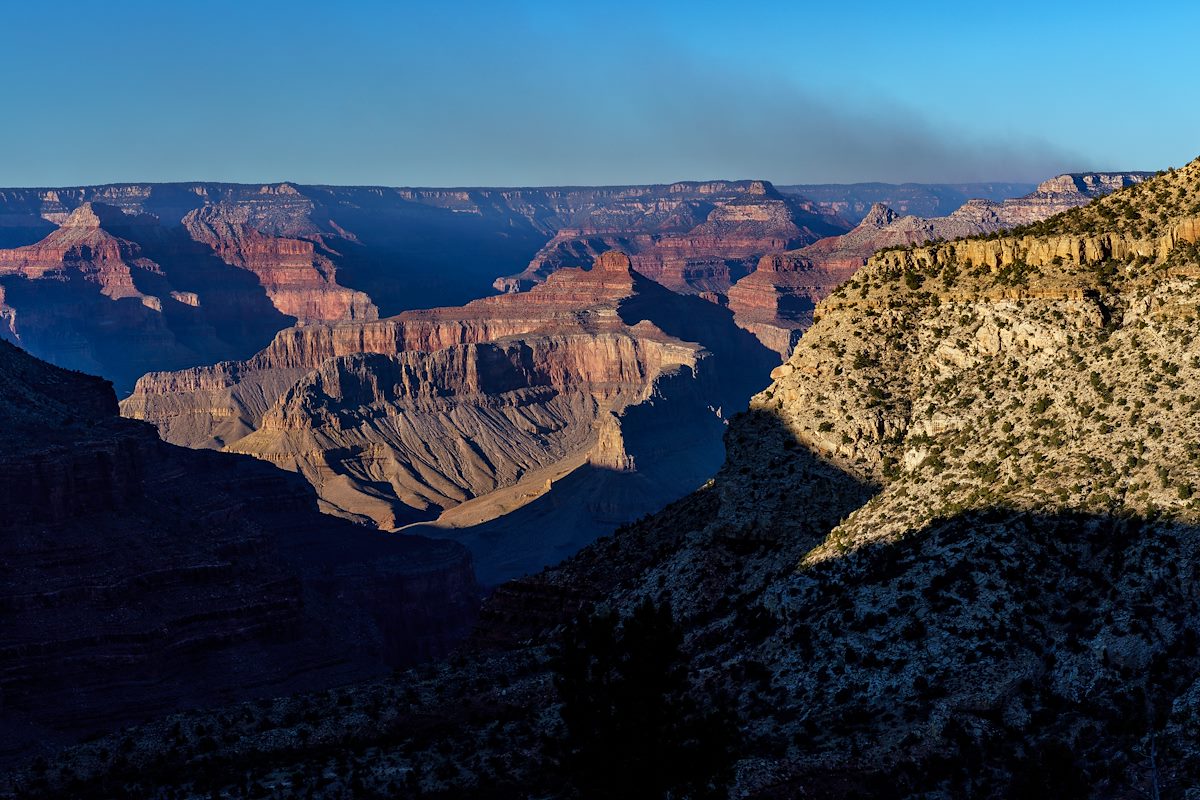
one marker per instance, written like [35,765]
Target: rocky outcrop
[1049,251]
[1015,403]
[83,244]
[405,419]
[140,578]
[94,295]
[393,440]
[973,218]
[776,301]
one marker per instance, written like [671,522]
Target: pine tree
[634,727]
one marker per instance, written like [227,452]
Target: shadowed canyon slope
[953,538]
[594,378]
[951,552]
[139,578]
[776,301]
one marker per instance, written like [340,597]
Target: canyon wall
[508,401]
[691,243]
[127,279]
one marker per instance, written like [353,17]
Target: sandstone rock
[94,295]
[300,281]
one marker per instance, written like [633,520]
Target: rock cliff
[964,506]
[191,274]
[299,280]
[141,578]
[213,271]
[490,406]
[94,295]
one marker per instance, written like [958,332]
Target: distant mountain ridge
[853,201]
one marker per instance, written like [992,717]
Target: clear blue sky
[536,93]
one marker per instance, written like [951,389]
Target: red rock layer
[93,295]
[776,301]
[300,282]
[213,406]
[82,247]
[227,266]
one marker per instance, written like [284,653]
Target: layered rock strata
[776,301]
[215,270]
[705,244]
[950,554]
[401,420]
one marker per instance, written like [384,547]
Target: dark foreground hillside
[139,578]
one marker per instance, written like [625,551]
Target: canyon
[228,311]
[125,279]
[694,243]
[949,553]
[522,443]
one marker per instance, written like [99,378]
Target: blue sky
[537,93]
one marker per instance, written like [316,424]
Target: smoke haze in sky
[539,93]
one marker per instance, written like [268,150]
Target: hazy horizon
[512,186]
